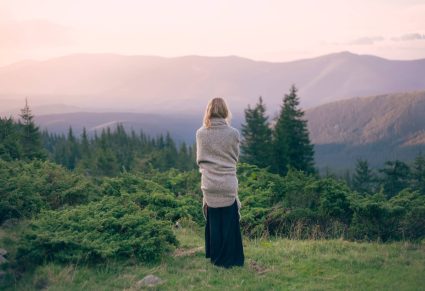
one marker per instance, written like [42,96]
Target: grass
[277,264]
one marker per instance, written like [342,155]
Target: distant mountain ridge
[185,84]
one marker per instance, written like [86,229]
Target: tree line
[106,154]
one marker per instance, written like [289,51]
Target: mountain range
[183,85]
[157,95]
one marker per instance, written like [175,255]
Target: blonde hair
[216,107]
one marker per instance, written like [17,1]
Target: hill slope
[156,84]
[377,128]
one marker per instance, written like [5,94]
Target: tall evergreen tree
[31,138]
[291,143]
[418,174]
[364,180]
[73,151]
[395,178]
[10,148]
[256,136]
[85,145]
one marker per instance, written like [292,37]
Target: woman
[217,152]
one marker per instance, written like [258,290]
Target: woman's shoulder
[235,131]
[200,131]
[229,129]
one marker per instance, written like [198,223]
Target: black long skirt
[223,239]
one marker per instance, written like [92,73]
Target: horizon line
[342,52]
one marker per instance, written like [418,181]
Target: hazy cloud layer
[367,40]
[370,40]
[409,37]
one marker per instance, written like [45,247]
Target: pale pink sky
[261,30]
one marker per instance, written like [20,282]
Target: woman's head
[216,108]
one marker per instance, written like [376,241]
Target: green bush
[112,228]
[150,195]
[28,187]
[374,219]
[412,206]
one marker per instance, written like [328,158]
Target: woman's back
[218,147]
[217,152]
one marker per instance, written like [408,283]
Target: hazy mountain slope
[181,127]
[377,128]
[156,84]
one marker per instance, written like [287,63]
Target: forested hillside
[376,128]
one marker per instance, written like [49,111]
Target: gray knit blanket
[217,152]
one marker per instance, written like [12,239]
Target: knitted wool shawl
[217,152]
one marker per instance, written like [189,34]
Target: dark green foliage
[376,218]
[26,188]
[112,228]
[305,206]
[418,174]
[178,182]
[30,136]
[412,223]
[256,146]
[300,190]
[117,151]
[364,180]
[395,177]
[10,146]
[21,140]
[291,143]
[165,205]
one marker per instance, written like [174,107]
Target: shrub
[112,228]
[28,187]
[374,219]
[150,195]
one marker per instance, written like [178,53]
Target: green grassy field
[277,264]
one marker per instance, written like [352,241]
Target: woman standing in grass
[217,152]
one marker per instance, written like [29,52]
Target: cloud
[33,33]
[367,40]
[409,37]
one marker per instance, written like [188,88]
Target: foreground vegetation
[90,220]
[275,263]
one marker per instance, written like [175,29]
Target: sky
[261,30]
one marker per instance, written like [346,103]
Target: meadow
[270,264]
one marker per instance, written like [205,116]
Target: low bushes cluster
[28,187]
[305,206]
[74,219]
[111,228]
[165,204]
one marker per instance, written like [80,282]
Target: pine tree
[73,151]
[85,145]
[256,136]
[364,179]
[30,138]
[395,178]
[418,174]
[291,143]
[10,148]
